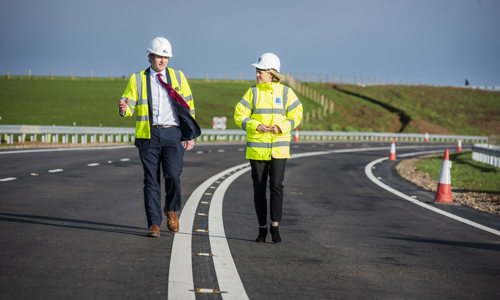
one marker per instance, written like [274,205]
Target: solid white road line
[227,274]
[369,174]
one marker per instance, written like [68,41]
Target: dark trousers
[261,170]
[164,152]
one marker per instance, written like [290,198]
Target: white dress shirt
[163,113]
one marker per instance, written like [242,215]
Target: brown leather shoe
[172,221]
[154,231]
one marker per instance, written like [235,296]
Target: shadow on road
[71,223]
[485,246]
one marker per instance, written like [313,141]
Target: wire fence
[299,77]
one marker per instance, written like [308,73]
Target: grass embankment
[465,173]
[436,110]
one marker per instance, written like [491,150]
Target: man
[158,134]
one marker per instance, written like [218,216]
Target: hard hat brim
[261,67]
[159,54]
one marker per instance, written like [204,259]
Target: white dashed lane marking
[8,179]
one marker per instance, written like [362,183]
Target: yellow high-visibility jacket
[138,92]
[271,104]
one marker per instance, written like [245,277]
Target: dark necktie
[172,93]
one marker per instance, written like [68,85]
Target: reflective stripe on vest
[244,123]
[268,145]
[276,111]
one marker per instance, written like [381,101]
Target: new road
[73,227]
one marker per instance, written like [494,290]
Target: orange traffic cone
[392,154]
[426,137]
[459,146]
[296,138]
[443,193]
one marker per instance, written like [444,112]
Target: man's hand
[123,106]
[188,145]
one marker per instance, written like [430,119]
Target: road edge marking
[369,174]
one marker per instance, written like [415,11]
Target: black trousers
[163,152]
[273,169]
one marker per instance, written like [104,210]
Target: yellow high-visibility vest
[271,104]
[137,93]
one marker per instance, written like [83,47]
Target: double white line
[180,279]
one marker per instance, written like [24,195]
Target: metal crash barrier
[82,135]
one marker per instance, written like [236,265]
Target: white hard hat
[268,61]
[160,46]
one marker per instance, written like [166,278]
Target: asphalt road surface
[73,226]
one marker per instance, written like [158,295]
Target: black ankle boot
[275,234]
[262,235]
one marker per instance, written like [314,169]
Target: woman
[268,112]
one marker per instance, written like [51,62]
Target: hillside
[93,102]
[412,109]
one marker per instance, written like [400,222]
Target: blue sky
[439,42]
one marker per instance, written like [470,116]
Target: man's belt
[163,126]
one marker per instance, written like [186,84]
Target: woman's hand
[266,128]
[275,129]
[263,128]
